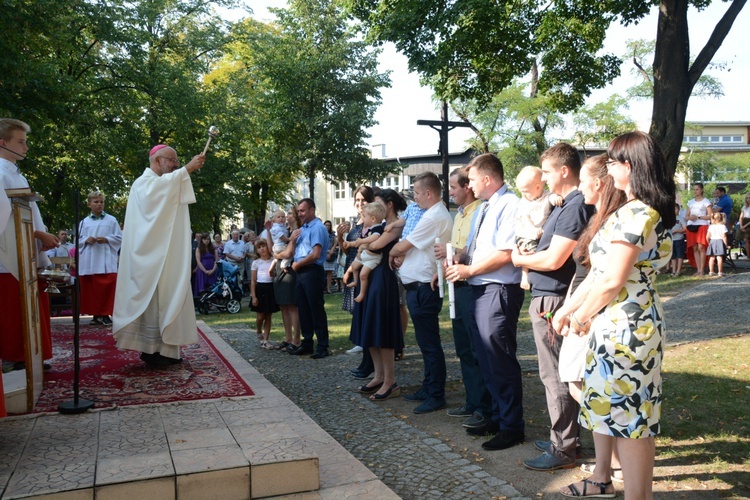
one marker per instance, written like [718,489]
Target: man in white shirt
[65,246]
[154,310]
[415,258]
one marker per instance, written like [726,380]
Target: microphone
[15,153]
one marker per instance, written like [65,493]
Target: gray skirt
[285,286]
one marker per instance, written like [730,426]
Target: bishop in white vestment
[154,311]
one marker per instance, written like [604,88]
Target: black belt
[415,285]
[459,284]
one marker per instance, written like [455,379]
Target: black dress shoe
[504,440]
[155,360]
[171,361]
[301,351]
[362,375]
[320,354]
[489,427]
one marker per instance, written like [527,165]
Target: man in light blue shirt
[234,250]
[309,255]
[496,300]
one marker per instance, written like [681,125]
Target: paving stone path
[410,461]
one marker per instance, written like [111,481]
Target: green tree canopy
[473,50]
[323,86]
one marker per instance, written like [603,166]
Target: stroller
[225,294]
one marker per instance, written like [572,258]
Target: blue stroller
[225,294]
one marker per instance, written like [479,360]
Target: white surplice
[154,309]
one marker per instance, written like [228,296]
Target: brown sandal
[574,492]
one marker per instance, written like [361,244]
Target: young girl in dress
[717,243]
[261,289]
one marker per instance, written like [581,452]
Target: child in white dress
[367,260]
[717,243]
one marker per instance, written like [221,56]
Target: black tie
[473,245]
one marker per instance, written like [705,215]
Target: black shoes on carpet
[101,320]
[156,360]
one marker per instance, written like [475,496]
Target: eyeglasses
[609,163]
[171,160]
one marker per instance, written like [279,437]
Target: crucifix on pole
[443,126]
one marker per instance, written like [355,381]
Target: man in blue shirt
[723,203]
[496,301]
[309,255]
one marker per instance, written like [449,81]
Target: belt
[415,285]
[459,284]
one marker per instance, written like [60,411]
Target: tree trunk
[672,85]
[674,78]
[311,178]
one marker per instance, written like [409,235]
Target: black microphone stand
[78,405]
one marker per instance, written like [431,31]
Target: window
[391,182]
[339,191]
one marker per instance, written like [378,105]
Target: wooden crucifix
[443,126]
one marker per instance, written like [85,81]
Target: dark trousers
[563,409]
[478,398]
[424,307]
[311,282]
[496,310]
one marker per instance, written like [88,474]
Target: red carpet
[111,377]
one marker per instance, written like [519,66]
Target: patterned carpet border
[112,378]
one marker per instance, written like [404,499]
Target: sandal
[392,392]
[283,345]
[614,472]
[290,348]
[574,492]
[365,389]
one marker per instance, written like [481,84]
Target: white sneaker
[354,350]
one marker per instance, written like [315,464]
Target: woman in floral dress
[622,385]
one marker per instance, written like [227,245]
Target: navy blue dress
[377,319]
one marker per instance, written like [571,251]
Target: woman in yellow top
[622,383]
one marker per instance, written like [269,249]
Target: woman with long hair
[207,258]
[621,393]
[377,317]
[598,189]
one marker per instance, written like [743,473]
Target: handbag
[693,228]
